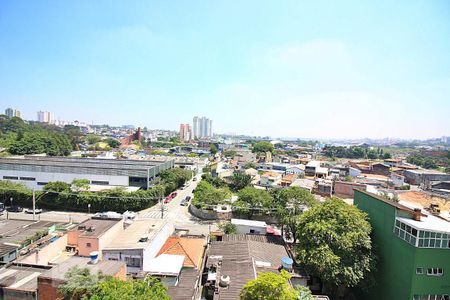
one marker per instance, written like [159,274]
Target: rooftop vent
[224,281]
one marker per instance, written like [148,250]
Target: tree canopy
[334,244]
[238,181]
[262,146]
[206,195]
[271,286]
[251,199]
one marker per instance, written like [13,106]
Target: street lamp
[11,200]
[89,208]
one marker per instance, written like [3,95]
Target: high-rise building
[17,113]
[185,132]
[9,112]
[413,247]
[202,127]
[44,117]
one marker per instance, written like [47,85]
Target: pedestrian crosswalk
[152,214]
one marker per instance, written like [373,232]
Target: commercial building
[185,132]
[9,112]
[413,247]
[37,171]
[93,235]
[202,127]
[138,243]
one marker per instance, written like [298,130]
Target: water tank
[225,280]
[94,257]
[287,263]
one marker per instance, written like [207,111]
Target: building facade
[185,132]
[44,117]
[413,249]
[36,171]
[202,127]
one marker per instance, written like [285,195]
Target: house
[19,282]
[380,169]
[192,249]
[8,253]
[270,179]
[345,189]
[321,172]
[310,168]
[138,243]
[238,258]
[288,180]
[323,187]
[296,169]
[413,248]
[354,172]
[304,183]
[93,235]
[397,180]
[49,281]
[393,162]
[249,226]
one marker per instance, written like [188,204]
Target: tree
[250,165]
[334,244]
[251,199]
[93,139]
[228,228]
[78,282]
[229,153]
[262,147]
[206,195]
[290,203]
[269,286]
[239,181]
[213,149]
[80,184]
[113,143]
[116,289]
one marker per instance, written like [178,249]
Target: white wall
[246,229]
[50,177]
[157,242]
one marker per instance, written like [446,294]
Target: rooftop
[6,249]
[190,248]
[94,227]
[271,174]
[107,267]
[16,231]
[20,278]
[246,222]
[165,264]
[137,235]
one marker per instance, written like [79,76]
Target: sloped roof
[191,248]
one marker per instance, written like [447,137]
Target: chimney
[417,213]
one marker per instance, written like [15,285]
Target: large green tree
[272,286]
[334,244]
[262,147]
[250,200]
[238,181]
[207,196]
[288,204]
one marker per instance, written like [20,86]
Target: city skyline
[291,69]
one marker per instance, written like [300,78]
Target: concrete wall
[109,236]
[50,177]
[247,229]
[202,214]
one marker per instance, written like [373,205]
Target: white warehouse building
[36,171]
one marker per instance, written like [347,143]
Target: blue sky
[343,69]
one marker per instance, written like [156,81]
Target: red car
[173,195]
[168,199]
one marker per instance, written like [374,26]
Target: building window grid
[422,238]
[431,297]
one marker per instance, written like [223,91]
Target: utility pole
[34,204]
[162,205]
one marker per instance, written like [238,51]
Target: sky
[319,69]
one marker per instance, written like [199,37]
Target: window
[88,245]
[10,177]
[99,182]
[28,178]
[133,261]
[435,271]
[419,270]
[41,183]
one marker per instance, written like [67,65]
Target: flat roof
[98,227]
[16,231]
[107,267]
[117,167]
[129,238]
[427,221]
[248,222]
[165,264]
[20,278]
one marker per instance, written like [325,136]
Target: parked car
[194,179]
[30,210]
[15,208]
[168,199]
[188,198]
[173,195]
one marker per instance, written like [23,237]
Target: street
[179,215]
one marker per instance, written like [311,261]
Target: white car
[30,210]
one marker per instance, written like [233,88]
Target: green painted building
[413,247]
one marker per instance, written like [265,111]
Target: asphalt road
[179,215]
